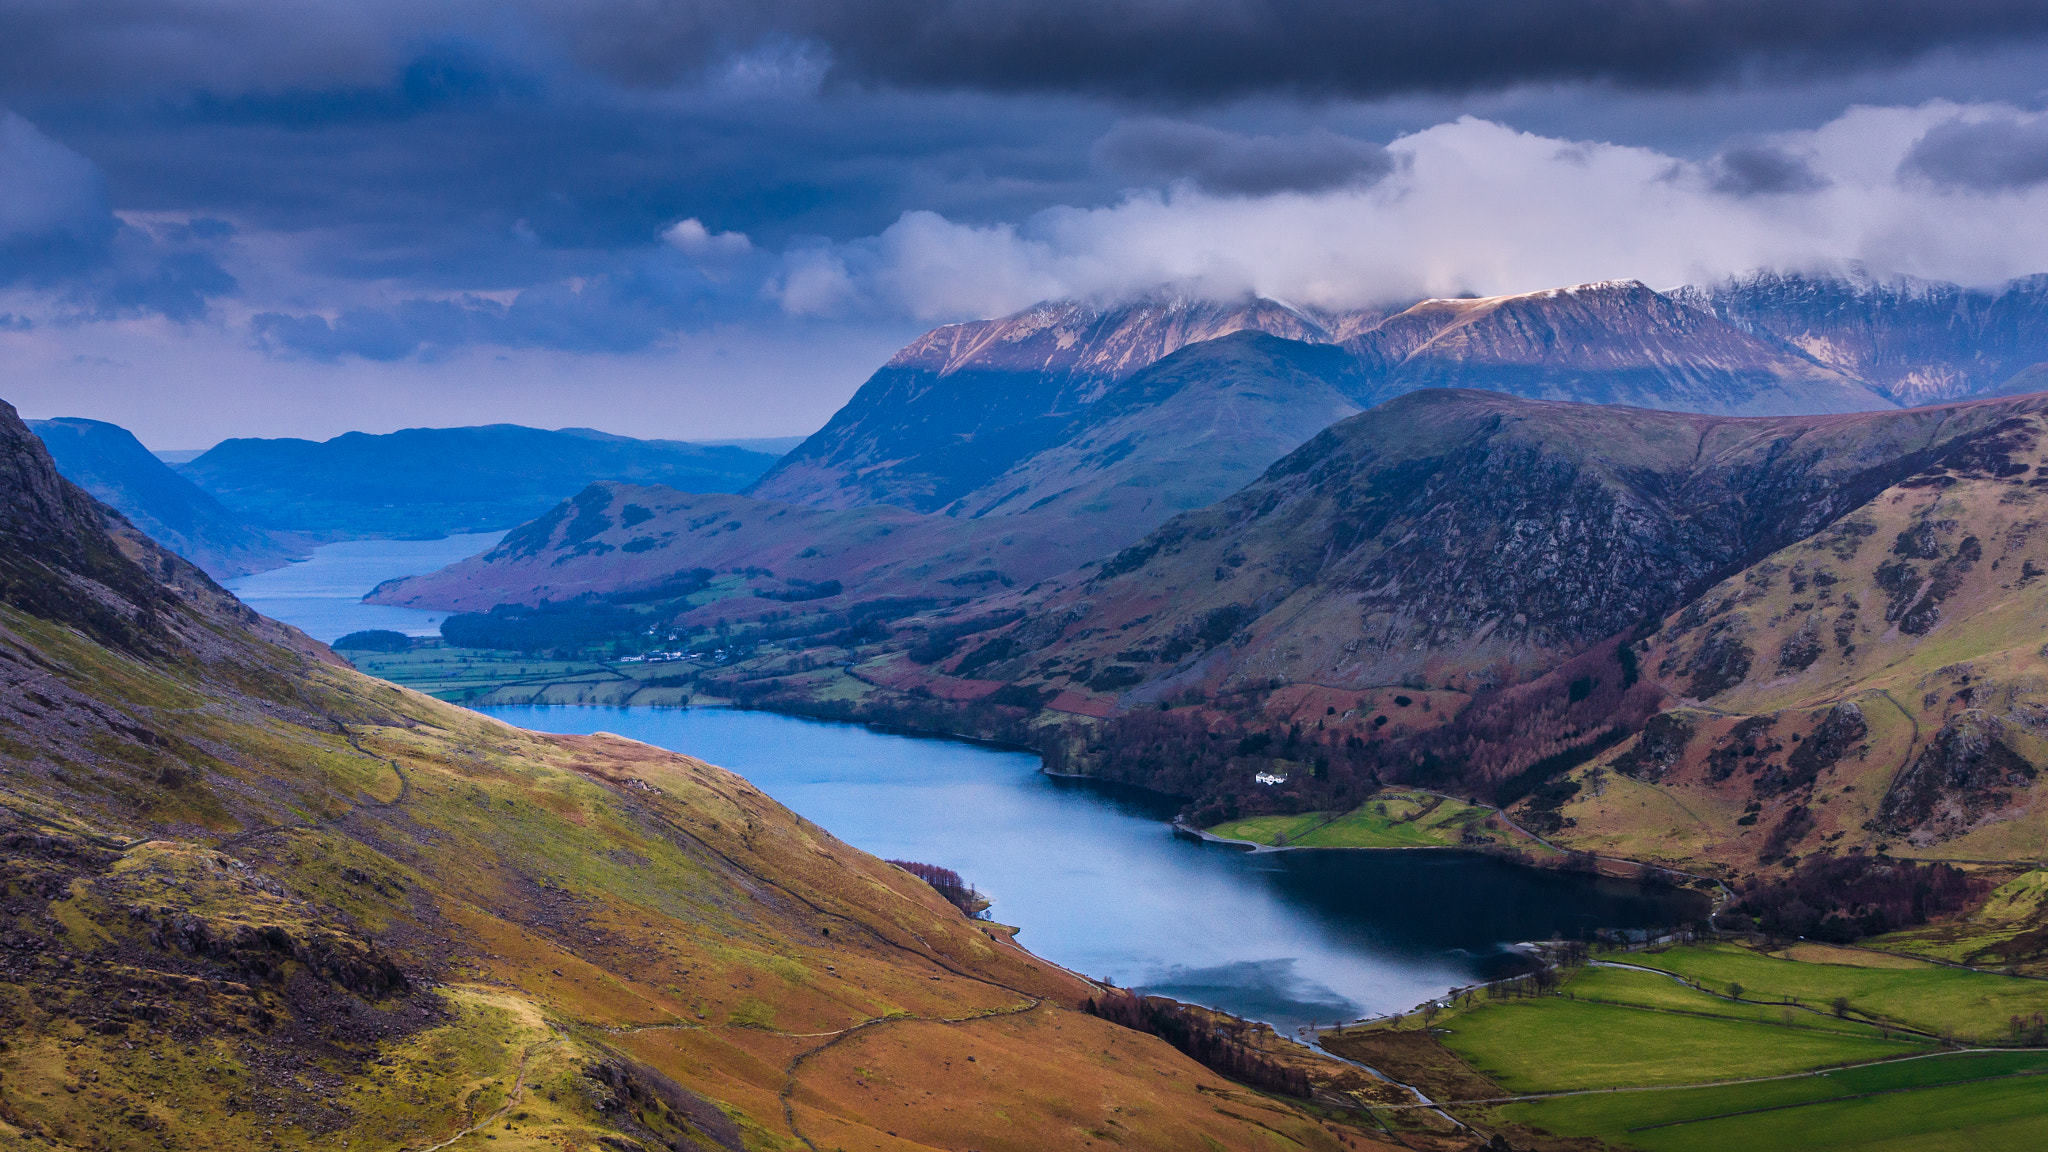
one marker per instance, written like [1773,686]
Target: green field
[461,674]
[1389,820]
[1644,990]
[1976,1006]
[1552,1044]
[1963,1101]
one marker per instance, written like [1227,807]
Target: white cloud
[693,239]
[1472,206]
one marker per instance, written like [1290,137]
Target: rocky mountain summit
[1917,341]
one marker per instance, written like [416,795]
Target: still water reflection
[1098,883]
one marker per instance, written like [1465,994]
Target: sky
[708,219]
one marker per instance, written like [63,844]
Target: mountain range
[1497,592]
[1070,429]
[254,899]
[434,481]
[947,414]
[1917,341]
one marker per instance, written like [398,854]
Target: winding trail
[788,1093]
[404,794]
[512,1096]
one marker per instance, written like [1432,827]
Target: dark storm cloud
[58,234]
[1201,50]
[1233,164]
[1761,170]
[1991,155]
[1177,50]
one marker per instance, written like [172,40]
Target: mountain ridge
[480,478]
[107,461]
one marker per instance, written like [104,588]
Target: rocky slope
[1918,341]
[1608,343]
[1882,681]
[107,461]
[432,481]
[253,899]
[1458,537]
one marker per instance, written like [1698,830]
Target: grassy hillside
[1877,686]
[253,898]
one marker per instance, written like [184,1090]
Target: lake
[1089,871]
[1097,881]
[322,596]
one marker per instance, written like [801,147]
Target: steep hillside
[1453,589]
[107,461]
[1918,341]
[1608,343]
[253,899]
[431,481]
[1113,473]
[966,402]
[1464,537]
[1883,681]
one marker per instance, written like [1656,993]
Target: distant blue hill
[105,460]
[434,481]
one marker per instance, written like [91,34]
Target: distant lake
[1098,883]
[322,596]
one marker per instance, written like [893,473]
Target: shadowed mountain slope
[252,898]
[107,461]
[966,402]
[1182,434]
[1447,531]
[433,481]
[1918,341]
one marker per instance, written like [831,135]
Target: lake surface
[1098,882]
[322,596]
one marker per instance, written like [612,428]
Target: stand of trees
[948,884]
[1215,1048]
[1845,898]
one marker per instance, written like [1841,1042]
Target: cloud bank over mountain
[341,195]
[1473,207]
